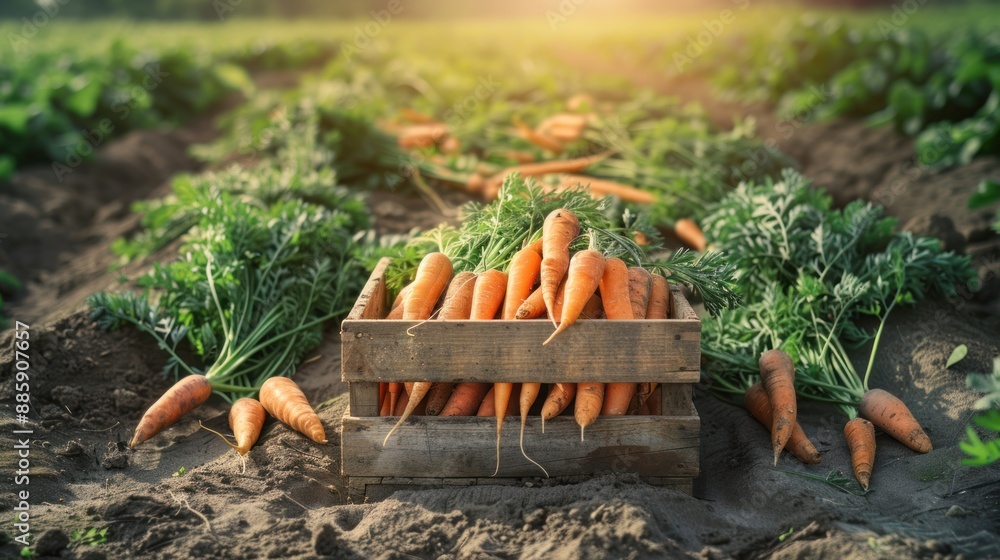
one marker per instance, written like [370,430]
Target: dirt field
[289,500]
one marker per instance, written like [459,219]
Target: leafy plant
[957,355]
[179,472]
[91,536]
[981,452]
[808,275]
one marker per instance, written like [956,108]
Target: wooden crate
[437,451]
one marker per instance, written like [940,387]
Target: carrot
[400,296]
[559,397]
[457,306]
[465,399]
[539,139]
[889,414]
[395,388]
[584,275]
[690,234]
[283,399]
[559,230]
[614,288]
[654,401]
[404,400]
[525,267]
[589,399]
[777,375]
[246,418]
[529,393]
[487,296]
[603,187]
[183,397]
[488,406]
[520,156]
[438,396]
[641,239]
[535,246]
[580,101]
[640,400]
[386,408]
[860,435]
[659,299]
[433,275]
[492,186]
[759,406]
[532,307]
[476,183]
[451,146]
[640,284]
[415,116]
[395,314]
[383,390]
[421,135]
[594,308]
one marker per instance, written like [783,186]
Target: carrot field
[447,280]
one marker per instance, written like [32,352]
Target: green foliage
[978,451]
[266,257]
[808,274]
[91,536]
[957,355]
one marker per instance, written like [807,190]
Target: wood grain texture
[363,399]
[676,400]
[464,447]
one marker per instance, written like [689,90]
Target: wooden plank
[676,400]
[664,351]
[371,489]
[680,308]
[373,302]
[357,488]
[465,447]
[363,399]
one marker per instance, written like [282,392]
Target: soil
[186,494]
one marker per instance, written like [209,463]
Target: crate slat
[465,447]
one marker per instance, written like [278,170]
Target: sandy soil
[90,387]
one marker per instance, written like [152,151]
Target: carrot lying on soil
[246,419]
[777,375]
[582,279]
[603,187]
[690,234]
[432,277]
[421,135]
[759,406]
[492,186]
[283,399]
[614,287]
[183,397]
[559,397]
[559,229]
[539,139]
[887,412]
[860,435]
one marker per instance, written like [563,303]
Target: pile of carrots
[543,280]
[279,396]
[773,403]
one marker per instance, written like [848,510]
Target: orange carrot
[889,413]
[589,399]
[559,230]
[860,435]
[404,400]
[594,309]
[488,406]
[535,246]
[777,374]
[465,399]
[457,306]
[654,401]
[415,116]
[659,299]
[529,393]
[487,296]
[525,267]
[421,135]
[532,307]
[615,290]
[246,418]
[643,392]
[640,284]
[395,388]
[386,408]
[580,102]
[559,397]
[756,402]
[690,234]
[584,275]
[615,296]
[183,397]
[433,275]
[398,301]
[395,314]
[541,168]
[283,399]
[541,140]
[601,187]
